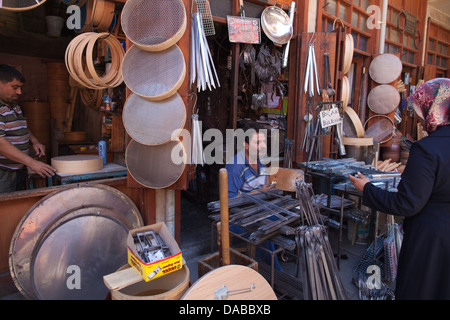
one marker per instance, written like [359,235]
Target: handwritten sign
[330,117]
[244,30]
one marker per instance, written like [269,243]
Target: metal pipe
[286,49]
[383,22]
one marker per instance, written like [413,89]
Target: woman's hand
[359,182]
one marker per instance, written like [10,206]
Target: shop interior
[324,66]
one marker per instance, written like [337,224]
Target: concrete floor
[196,245]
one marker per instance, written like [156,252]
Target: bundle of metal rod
[150,246]
[320,274]
[321,279]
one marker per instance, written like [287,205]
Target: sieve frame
[23,8]
[161,186]
[379,88]
[383,116]
[134,136]
[163,95]
[128,9]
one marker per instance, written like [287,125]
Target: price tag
[330,117]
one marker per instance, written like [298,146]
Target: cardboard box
[156,269]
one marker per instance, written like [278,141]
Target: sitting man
[246,173]
[245,170]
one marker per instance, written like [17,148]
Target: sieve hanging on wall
[155,75]
[154,25]
[20,5]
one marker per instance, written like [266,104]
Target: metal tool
[223,293]
[311,76]
[150,246]
[286,49]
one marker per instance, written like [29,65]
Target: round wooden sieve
[348,53]
[154,25]
[383,99]
[345,92]
[156,167]
[385,68]
[153,122]
[352,125]
[382,128]
[20,5]
[154,75]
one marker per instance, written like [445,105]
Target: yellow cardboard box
[153,270]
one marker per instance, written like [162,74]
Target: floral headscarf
[431,101]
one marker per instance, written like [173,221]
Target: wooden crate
[213,262]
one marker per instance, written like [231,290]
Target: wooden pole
[223,190]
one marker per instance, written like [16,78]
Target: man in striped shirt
[15,137]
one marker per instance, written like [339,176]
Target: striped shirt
[13,127]
[242,178]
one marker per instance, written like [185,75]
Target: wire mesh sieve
[155,75]
[154,25]
[153,122]
[20,5]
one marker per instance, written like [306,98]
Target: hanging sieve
[156,167]
[154,75]
[153,122]
[154,25]
[382,128]
[383,99]
[385,68]
[20,5]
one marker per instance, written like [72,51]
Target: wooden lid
[233,277]
[77,163]
[366,141]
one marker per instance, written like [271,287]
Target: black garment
[423,198]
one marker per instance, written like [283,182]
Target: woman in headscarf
[423,198]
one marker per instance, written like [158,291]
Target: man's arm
[12,153]
[38,147]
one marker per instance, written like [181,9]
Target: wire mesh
[20,4]
[208,24]
[152,24]
[155,75]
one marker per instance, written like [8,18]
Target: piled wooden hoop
[78,57]
[99,14]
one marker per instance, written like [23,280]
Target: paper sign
[244,30]
[330,117]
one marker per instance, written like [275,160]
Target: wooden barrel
[392,152]
[58,89]
[169,287]
[38,120]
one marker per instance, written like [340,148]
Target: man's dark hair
[254,127]
[8,74]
